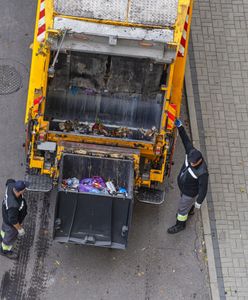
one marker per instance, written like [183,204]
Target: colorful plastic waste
[111,188]
[70,183]
[75,183]
[84,188]
[95,184]
[92,185]
[122,191]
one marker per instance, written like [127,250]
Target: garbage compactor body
[105,88]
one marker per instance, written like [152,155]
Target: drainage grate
[10,80]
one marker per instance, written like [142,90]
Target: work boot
[9,254]
[180,225]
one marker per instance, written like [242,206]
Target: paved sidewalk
[219,70]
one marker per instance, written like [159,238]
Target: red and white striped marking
[37,102]
[171,114]
[42,23]
[184,37]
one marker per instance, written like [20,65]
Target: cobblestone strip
[213,280]
[220,45]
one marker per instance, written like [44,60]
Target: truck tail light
[158,150]
[42,137]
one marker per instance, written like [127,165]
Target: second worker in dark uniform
[14,211]
[192,181]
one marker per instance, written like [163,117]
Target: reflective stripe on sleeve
[5,200]
[192,173]
[186,161]
[21,207]
[189,169]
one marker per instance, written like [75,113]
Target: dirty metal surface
[158,35]
[93,148]
[10,80]
[151,196]
[122,92]
[147,12]
[39,183]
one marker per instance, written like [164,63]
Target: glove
[197,205]
[21,232]
[178,123]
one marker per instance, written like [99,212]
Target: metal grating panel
[39,183]
[147,12]
[153,12]
[95,9]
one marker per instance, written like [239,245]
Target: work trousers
[9,235]
[185,204]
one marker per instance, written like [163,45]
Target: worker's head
[20,187]
[195,157]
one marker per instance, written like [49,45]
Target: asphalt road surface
[155,265]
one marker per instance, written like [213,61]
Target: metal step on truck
[105,88]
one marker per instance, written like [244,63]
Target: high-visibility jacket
[192,181]
[14,210]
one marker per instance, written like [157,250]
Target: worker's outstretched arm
[185,138]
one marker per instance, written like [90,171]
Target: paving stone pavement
[219,69]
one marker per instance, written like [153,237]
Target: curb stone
[215,295]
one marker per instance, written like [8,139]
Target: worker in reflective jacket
[192,181]
[14,211]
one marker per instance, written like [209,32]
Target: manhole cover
[10,80]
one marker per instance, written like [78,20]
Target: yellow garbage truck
[105,88]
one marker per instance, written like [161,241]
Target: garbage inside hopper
[98,128]
[95,184]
